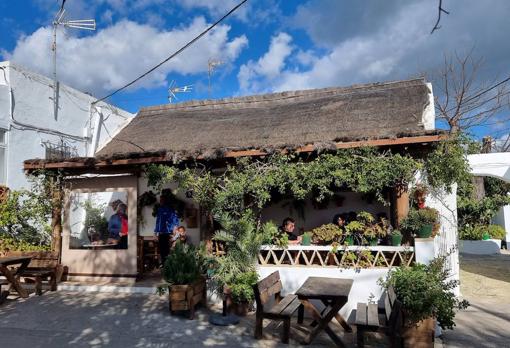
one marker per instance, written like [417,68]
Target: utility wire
[180,50]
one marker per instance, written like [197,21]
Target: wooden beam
[91,163]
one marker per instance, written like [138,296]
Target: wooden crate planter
[186,297]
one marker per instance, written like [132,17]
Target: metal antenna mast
[173,89]
[85,24]
[212,64]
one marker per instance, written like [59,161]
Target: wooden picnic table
[334,294]
[11,274]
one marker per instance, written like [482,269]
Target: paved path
[66,319]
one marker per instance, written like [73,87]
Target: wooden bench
[368,318]
[282,309]
[44,266]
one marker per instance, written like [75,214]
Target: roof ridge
[273,96]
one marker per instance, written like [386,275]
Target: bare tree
[463,101]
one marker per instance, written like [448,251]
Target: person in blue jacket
[167,222]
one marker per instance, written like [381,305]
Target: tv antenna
[173,89]
[60,20]
[212,64]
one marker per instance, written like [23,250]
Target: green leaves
[426,291]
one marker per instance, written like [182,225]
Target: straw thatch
[320,117]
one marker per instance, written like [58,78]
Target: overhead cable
[180,50]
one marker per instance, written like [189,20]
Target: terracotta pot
[420,335]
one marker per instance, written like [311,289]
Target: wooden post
[56,217]
[401,206]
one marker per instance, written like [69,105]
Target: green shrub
[181,266]
[418,218]
[426,291]
[326,234]
[477,232]
[496,232]
[242,287]
[12,244]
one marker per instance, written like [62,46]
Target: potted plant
[183,280]
[481,239]
[396,237]
[326,234]
[420,222]
[372,231]
[306,238]
[353,230]
[241,292]
[425,292]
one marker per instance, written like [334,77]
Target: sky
[265,46]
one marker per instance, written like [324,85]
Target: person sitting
[340,220]
[179,236]
[288,226]
[117,225]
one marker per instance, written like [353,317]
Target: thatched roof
[288,120]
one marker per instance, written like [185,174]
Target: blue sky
[268,45]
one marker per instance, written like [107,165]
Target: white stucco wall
[27,98]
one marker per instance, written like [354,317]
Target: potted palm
[426,295]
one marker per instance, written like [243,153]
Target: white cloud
[372,43]
[268,67]
[117,54]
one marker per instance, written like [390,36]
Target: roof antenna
[172,89]
[85,24]
[212,64]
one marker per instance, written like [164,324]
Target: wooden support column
[401,204]
[56,216]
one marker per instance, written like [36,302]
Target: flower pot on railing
[396,239]
[349,240]
[306,239]
[425,231]
[372,241]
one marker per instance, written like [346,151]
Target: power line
[180,50]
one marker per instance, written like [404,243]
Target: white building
[30,127]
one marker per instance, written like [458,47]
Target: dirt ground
[486,278]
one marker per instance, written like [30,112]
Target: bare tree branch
[440,11]
[464,101]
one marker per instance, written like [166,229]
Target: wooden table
[334,294]
[11,274]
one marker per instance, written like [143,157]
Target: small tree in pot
[426,295]
[421,222]
[185,284]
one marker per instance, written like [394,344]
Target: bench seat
[283,308]
[368,318]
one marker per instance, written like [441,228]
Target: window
[3,156]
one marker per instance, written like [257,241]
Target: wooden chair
[389,321]
[44,266]
[283,308]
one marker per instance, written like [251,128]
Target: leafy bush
[426,291]
[326,234]
[24,216]
[242,287]
[274,236]
[418,218]
[12,244]
[181,266]
[477,232]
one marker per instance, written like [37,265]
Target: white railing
[342,256]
